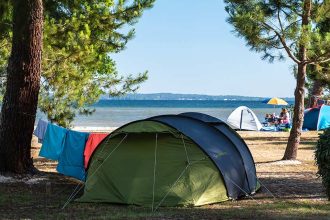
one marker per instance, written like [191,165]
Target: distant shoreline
[129,103]
[192,97]
[94,129]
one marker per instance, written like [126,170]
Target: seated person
[284,117]
[267,117]
[267,120]
[270,119]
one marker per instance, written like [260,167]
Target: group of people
[283,118]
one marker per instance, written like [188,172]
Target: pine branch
[279,20]
[318,61]
[281,38]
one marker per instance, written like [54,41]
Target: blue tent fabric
[53,142]
[208,138]
[317,118]
[324,118]
[234,137]
[71,161]
[311,118]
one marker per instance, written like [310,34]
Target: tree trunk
[299,93]
[317,91]
[23,82]
[298,115]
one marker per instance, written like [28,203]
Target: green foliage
[5,17]
[274,28]
[286,28]
[320,72]
[5,35]
[322,158]
[79,37]
[4,54]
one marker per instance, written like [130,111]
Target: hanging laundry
[40,130]
[93,140]
[53,142]
[71,160]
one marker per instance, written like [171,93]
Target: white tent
[244,118]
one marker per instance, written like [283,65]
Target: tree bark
[317,91]
[23,82]
[298,112]
[298,115]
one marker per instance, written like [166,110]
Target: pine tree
[318,80]
[280,29]
[21,97]
[318,76]
[78,39]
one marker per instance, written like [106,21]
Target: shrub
[322,158]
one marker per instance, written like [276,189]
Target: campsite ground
[289,190]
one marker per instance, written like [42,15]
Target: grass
[288,191]
[37,205]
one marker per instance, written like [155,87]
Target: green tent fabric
[171,160]
[151,164]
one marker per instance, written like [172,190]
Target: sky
[188,47]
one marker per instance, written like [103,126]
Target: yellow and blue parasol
[275,101]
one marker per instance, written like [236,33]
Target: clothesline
[72,149]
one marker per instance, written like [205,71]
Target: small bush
[322,158]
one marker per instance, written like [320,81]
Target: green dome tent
[188,159]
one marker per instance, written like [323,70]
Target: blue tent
[317,118]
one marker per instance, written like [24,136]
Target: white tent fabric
[244,118]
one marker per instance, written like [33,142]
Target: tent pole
[240,123]
[82,185]
[154,182]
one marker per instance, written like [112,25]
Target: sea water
[115,113]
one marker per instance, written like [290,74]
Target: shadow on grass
[284,139]
[291,185]
[302,143]
[266,162]
[254,139]
[313,147]
[296,197]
